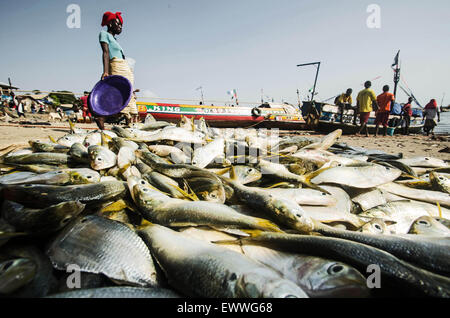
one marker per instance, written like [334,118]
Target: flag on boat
[233,93]
[198,88]
[396,59]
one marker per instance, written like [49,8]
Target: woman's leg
[100,121]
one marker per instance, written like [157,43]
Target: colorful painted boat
[282,116]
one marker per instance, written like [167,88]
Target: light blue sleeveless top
[115,50]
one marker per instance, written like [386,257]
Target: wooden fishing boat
[330,120]
[268,115]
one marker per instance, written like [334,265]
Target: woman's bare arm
[105,57]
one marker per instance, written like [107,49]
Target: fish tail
[72,126]
[306,180]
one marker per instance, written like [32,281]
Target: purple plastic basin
[110,95]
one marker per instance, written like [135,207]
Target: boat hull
[224,116]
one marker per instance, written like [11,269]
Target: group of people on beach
[367,101]
[16,102]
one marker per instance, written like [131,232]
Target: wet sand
[410,146]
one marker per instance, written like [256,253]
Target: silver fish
[426,225]
[99,245]
[425,162]
[417,194]
[364,177]
[101,157]
[69,139]
[229,275]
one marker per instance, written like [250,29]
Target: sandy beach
[409,146]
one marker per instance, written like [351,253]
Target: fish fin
[52,139]
[276,185]
[105,141]
[267,225]
[192,192]
[440,210]
[223,171]
[192,197]
[114,207]
[239,241]
[237,232]
[233,175]
[8,235]
[144,224]
[2,157]
[192,125]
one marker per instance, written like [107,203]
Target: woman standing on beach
[114,62]
[429,114]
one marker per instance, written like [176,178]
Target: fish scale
[99,245]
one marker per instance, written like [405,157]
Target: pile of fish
[160,210]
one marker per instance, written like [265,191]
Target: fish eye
[67,219]
[145,190]
[424,222]
[335,269]
[323,193]
[59,172]
[377,226]
[298,215]
[99,159]
[427,158]
[441,178]
[89,177]
[233,276]
[142,182]
[7,265]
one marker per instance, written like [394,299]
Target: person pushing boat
[114,62]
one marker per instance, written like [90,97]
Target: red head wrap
[109,16]
[432,104]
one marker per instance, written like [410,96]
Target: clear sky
[246,45]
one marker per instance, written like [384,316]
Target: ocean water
[444,126]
